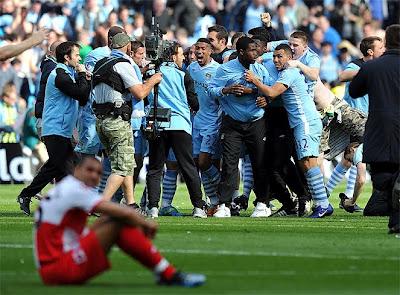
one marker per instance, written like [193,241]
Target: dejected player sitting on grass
[68,252]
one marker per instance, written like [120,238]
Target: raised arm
[9,51]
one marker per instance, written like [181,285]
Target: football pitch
[342,254]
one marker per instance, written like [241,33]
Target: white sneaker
[222,211]
[308,208]
[199,212]
[261,210]
[152,213]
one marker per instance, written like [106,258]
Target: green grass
[342,254]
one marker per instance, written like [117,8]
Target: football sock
[133,242]
[315,182]
[210,179]
[169,187]
[351,182]
[336,177]
[247,177]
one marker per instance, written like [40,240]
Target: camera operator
[173,95]
[63,92]
[114,80]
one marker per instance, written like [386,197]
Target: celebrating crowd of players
[261,99]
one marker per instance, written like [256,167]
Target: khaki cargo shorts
[117,138]
[347,126]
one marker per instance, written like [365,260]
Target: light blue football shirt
[296,99]
[240,108]
[359,103]
[309,58]
[210,110]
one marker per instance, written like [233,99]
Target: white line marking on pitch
[243,253]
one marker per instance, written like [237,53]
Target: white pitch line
[244,253]
[243,273]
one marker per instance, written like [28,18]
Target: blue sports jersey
[312,60]
[240,108]
[210,111]
[359,103]
[89,143]
[273,72]
[358,155]
[297,101]
[309,58]
[137,105]
[172,95]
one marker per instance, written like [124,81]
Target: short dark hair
[203,40]
[326,43]
[368,43]
[300,35]
[222,33]
[174,47]
[260,31]
[237,35]
[392,36]
[65,48]
[244,42]
[285,48]
[260,38]
[135,45]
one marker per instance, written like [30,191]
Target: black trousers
[384,177]
[181,144]
[280,148]
[378,204]
[233,133]
[59,164]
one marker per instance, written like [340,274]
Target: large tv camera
[158,51]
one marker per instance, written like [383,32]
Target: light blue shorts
[308,137]
[205,141]
[171,156]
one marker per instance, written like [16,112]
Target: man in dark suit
[380,79]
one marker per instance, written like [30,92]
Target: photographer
[63,92]
[114,80]
[173,95]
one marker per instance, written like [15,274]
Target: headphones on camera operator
[158,51]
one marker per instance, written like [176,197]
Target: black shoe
[242,201]
[343,198]
[394,230]
[187,280]
[235,209]
[282,212]
[24,204]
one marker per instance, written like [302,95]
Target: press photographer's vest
[104,73]
[60,111]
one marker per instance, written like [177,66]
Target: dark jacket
[380,79]
[46,66]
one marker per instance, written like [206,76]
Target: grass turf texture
[342,254]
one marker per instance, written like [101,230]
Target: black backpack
[103,72]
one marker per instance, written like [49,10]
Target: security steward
[114,82]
